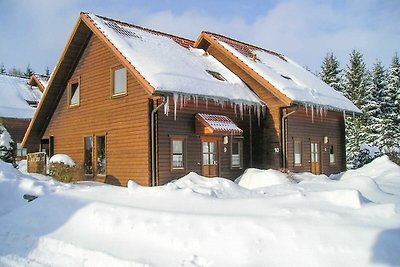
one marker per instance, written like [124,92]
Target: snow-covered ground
[265,219]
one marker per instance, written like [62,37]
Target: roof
[16,95]
[292,80]
[218,123]
[39,80]
[171,66]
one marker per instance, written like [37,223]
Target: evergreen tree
[377,84]
[390,137]
[29,71]
[331,72]
[6,146]
[15,71]
[2,69]
[47,71]
[355,89]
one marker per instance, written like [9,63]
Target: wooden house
[18,101]
[303,129]
[127,102]
[131,103]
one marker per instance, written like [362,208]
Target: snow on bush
[6,145]
[62,158]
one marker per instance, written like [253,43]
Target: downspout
[284,117]
[153,144]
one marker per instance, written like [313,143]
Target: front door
[315,158]
[210,158]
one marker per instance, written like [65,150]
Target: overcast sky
[36,32]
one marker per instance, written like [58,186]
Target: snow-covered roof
[219,123]
[292,80]
[171,68]
[16,96]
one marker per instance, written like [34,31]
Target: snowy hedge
[63,169]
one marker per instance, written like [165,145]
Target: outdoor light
[326,139]
[226,140]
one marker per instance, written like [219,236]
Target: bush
[65,173]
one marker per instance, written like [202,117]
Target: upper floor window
[119,81]
[74,93]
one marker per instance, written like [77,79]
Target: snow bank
[62,158]
[256,178]
[199,221]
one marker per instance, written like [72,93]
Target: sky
[36,31]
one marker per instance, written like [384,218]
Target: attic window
[74,93]
[216,75]
[286,77]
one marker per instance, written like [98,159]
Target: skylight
[216,75]
[286,77]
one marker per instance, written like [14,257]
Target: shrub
[65,173]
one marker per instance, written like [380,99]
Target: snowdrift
[285,220]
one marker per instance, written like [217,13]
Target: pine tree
[377,84]
[2,69]
[29,71]
[390,137]
[15,71]
[47,71]
[331,72]
[355,89]
[6,146]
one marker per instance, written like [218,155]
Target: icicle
[306,109]
[241,110]
[176,97]
[344,115]
[312,113]
[166,106]
[320,112]
[259,115]
[234,107]
[206,103]
[354,115]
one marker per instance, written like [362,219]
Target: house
[131,103]
[127,102]
[18,100]
[304,126]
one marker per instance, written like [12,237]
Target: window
[74,94]
[297,153]
[216,75]
[21,151]
[101,155]
[119,81]
[332,160]
[236,154]
[177,153]
[88,150]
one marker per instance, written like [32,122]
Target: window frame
[112,73]
[173,138]
[240,148]
[21,151]
[298,141]
[70,83]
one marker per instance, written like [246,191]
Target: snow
[173,69]
[295,219]
[62,158]
[219,123]
[5,138]
[373,151]
[14,94]
[294,81]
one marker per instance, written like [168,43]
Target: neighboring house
[132,103]
[18,100]
[303,129]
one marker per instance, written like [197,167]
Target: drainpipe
[153,144]
[284,117]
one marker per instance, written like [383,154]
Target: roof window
[216,75]
[286,77]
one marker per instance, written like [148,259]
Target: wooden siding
[264,153]
[184,125]
[300,126]
[124,119]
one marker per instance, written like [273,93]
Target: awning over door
[216,124]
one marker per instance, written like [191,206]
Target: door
[210,158]
[315,158]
